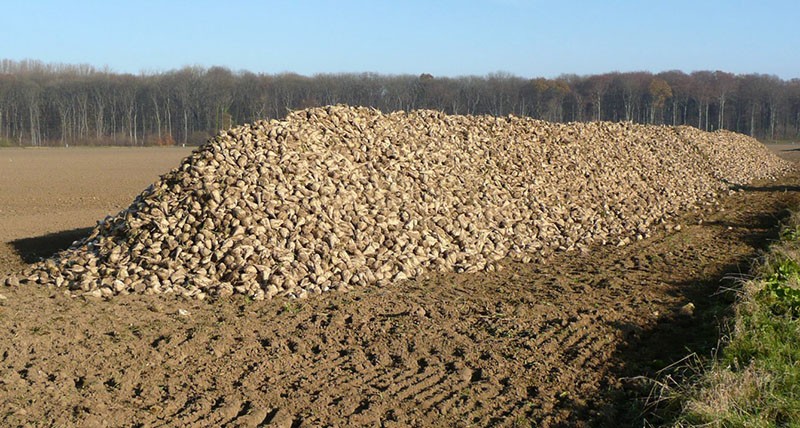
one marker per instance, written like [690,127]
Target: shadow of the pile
[674,350]
[767,188]
[652,361]
[32,250]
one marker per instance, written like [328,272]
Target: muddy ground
[562,342]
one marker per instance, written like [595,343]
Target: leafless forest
[59,104]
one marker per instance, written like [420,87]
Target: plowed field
[554,343]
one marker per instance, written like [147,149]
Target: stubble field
[554,343]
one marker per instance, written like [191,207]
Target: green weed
[778,292]
[790,233]
[291,308]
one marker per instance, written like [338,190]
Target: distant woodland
[56,104]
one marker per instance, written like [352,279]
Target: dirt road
[548,343]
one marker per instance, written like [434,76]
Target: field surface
[553,343]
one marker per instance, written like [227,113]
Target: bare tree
[659,91]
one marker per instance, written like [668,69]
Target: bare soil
[551,343]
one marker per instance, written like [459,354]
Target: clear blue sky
[529,38]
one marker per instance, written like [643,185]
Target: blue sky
[529,38]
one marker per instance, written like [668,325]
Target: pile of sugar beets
[336,197]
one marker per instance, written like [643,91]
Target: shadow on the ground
[767,188]
[32,250]
[659,353]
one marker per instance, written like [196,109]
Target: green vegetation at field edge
[755,381]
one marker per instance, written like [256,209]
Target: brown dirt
[548,343]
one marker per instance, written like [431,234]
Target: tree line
[60,104]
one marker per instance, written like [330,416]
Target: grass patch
[291,308]
[755,380]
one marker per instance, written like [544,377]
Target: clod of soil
[337,197]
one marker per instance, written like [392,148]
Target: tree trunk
[34,130]
[772,123]
[169,120]
[185,126]
[700,115]
[685,113]
[98,120]
[158,117]
[674,112]
[797,125]
[598,99]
